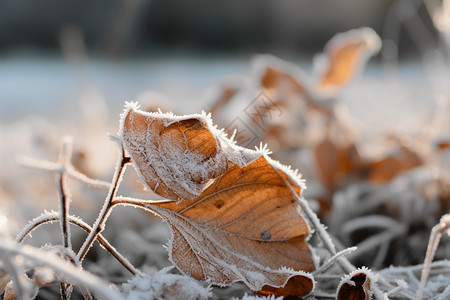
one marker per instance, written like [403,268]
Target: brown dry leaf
[443,145]
[356,286]
[290,106]
[336,162]
[345,54]
[386,169]
[175,156]
[280,83]
[273,79]
[245,226]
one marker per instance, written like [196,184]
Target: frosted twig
[99,224]
[53,217]
[64,160]
[64,202]
[117,200]
[435,237]
[401,286]
[37,164]
[37,257]
[333,259]
[376,240]
[94,183]
[381,255]
[374,221]
[43,165]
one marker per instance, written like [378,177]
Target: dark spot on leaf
[265,235]
[219,204]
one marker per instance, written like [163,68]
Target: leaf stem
[99,224]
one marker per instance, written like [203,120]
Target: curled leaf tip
[175,156]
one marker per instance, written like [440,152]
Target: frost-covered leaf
[345,54]
[335,162]
[357,285]
[386,169]
[164,286]
[246,226]
[175,156]
[282,80]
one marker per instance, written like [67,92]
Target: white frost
[164,286]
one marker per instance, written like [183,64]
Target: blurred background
[52,52]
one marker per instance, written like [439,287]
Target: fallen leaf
[345,54]
[336,162]
[246,226]
[357,285]
[280,83]
[175,156]
[443,145]
[386,169]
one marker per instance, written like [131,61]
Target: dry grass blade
[245,226]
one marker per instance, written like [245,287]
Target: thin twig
[332,259]
[102,240]
[48,166]
[99,224]
[64,202]
[378,240]
[435,237]
[38,257]
[94,183]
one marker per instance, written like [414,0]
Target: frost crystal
[164,286]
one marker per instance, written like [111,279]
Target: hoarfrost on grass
[162,285]
[256,297]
